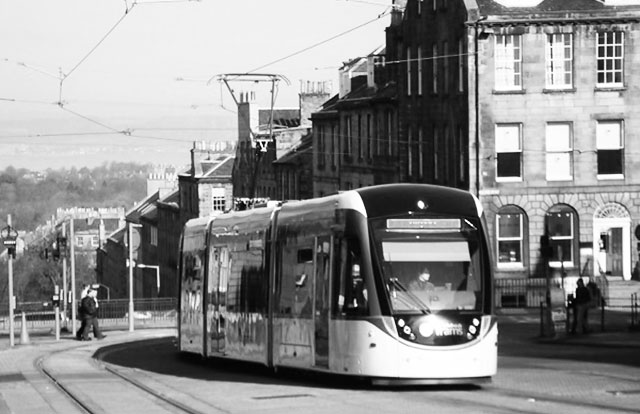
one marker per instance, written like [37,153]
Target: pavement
[23,390]
[608,329]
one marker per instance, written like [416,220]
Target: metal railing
[520,293]
[113,314]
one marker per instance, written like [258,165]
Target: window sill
[559,179]
[510,267]
[509,91]
[610,88]
[558,265]
[559,90]
[508,179]
[605,177]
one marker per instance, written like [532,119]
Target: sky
[84,82]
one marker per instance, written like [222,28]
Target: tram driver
[422,281]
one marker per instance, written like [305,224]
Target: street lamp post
[73,277]
[131,265]
[9,236]
[65,288]
[71,295]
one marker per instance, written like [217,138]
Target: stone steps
[619,291]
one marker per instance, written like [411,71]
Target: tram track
[39,365]
[566,403]
[175,394]
[88,401]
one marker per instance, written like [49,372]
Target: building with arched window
[553,131]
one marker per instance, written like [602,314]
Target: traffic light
[62,246]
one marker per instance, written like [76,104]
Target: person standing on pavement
[90,314]
[581,303]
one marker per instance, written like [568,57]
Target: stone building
[256,171]
[355,132]
[532,106]
[204,189]
[426,54]
[557,107]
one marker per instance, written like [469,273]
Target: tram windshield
[429,265]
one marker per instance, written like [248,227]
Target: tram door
[322,300]
[216,290]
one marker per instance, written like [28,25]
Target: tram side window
[296,281]
[352,295]
[192,284]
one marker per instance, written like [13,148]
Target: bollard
[57,324]
[24,335]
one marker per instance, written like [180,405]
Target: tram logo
[449,329]
[440,328]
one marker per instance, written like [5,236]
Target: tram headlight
[426,329]
[429,325]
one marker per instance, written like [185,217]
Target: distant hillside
[33,197]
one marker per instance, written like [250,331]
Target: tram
[334,285]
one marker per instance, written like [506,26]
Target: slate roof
[365,92]
[555,10]
[172,198]
[141,208]
[301,147]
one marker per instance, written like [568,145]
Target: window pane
[508,164]
[609,161]
[507,62]
[559,224]
[559,60]
[561,250]
[610,58]
[558,137]
[509,225]
[558,165]
[509,252]
[608,135]
[507,138]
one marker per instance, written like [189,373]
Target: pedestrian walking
[81,316]
[89,305]
[581,304]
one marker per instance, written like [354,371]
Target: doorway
[612,241]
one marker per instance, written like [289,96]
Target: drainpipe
[477,103]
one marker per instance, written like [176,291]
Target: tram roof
[197,224]
[388,199]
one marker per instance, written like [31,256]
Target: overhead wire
[62,77]
[89,119]
[128,9]
[312,46]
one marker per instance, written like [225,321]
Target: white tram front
[389,282]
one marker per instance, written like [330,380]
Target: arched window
[512,236]
[561,224]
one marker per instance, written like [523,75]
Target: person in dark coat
[89,304]
[83,320]
[581,304]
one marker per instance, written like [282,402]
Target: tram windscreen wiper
[417,303]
